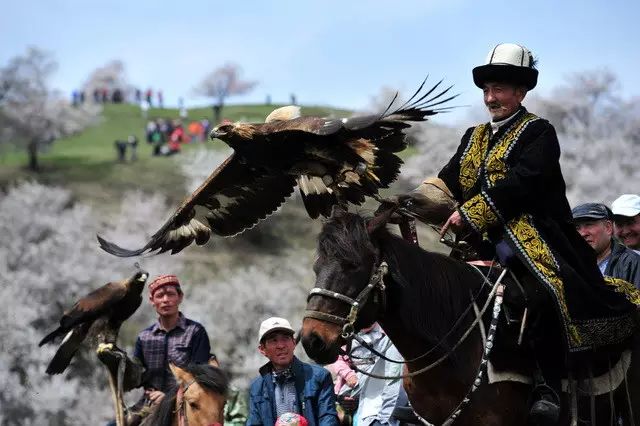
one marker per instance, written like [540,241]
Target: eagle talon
[104,347]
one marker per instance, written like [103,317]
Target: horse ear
[180,374]
[380,219]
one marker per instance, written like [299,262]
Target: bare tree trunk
[32,150]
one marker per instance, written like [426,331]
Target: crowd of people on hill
[103,95]
[167,135]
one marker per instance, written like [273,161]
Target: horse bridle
[376,281]
[180,409]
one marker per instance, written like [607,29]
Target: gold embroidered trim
[496,165]
[625,287]
[538,254]
[479,213]
[472,157]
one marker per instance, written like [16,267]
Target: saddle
[520,343]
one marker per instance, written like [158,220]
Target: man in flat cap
[594,222]
[172,339]
[510,200]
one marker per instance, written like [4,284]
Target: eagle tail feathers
[51,336]
[68,349]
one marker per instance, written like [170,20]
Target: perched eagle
[331,160]
[102,312]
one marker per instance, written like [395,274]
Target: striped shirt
[156,348]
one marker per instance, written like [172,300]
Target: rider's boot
[545,409]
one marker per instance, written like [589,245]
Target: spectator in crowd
[206,128]
[138,96]
[121,150]
[345,386]
[195,131]
[217,110]
[133,143]
[595,223]
[172,339]
[160,99]
[75,98]
[626,215]
[149,96]
[288,385]
[377,397]
[144,108]
[117,96]
[182,110]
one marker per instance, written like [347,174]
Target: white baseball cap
[626,205]
[274,324]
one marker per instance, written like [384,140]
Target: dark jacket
[316,400]
[510,188]
[624,263]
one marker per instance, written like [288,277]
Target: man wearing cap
[594,222]
[626,215]
[288,385]
[511,206]
[172,339]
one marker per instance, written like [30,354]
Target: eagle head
[233,133]
[140,278]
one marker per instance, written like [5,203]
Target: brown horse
[423,304]
[198,400]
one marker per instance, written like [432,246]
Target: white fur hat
[510,63]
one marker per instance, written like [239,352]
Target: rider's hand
[155,396]
[455,223]
[352,381]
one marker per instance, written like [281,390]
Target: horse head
[345,298]
[200,397]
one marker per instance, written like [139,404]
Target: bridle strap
[180,409]
[325,317]
[376,280]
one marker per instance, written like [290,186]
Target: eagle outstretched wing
[237,197]
[331,160]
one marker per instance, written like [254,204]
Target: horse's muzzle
[318,349]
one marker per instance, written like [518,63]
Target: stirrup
[545,410]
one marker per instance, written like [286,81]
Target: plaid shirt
[155,348]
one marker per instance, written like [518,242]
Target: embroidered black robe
[510,187]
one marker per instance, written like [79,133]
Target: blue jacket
[315,393]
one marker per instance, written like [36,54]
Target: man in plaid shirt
[172,339]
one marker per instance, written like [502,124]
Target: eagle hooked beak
[216,133]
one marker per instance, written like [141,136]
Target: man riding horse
[511,205]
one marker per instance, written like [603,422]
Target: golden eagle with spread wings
[333,161]
[99,313]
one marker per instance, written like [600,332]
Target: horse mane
[435,288]
[207,376]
